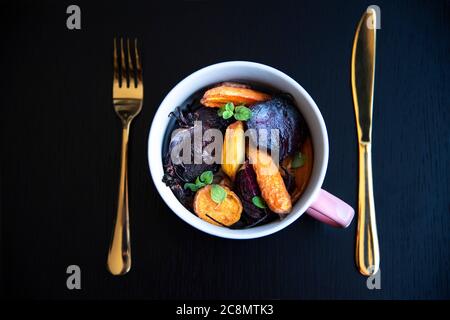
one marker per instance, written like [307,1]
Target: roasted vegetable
[299,168]
[225,213]
[247,189]
[278,114]
[233,192]
[185,196]
[233,149]
[225,181]
[270,182]
[179,172]
[207,116]
[303,173]
[219,96]
[288,178]
[187,171]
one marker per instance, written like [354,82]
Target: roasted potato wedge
[270,181]
[238,95]
[225,213]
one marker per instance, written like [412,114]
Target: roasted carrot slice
[270,181]
[233,150]
[219,96]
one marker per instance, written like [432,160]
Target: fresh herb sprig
[202,180]
[241,113]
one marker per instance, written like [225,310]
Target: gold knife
[363,76]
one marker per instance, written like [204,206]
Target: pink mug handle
[331,210]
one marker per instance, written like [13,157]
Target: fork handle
[119,256]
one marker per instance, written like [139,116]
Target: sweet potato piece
[226,213]
[215,104]
[270,181]
[219,96]
[233,150]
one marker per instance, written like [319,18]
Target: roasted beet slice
[185,196]
[210,118]
[289,179]
[246,187]
[281,114]
[186,119]
[196,112]
[188,171]
[178,172]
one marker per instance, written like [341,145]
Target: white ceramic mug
[315,201]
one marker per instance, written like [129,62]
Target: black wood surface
[61,140]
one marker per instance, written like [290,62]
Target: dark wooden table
[61,140]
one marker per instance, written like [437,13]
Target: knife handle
[367,251]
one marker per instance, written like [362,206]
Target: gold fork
[128,95]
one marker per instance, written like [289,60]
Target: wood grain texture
[61,140]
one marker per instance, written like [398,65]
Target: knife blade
[362,80]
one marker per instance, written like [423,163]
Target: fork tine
[124,82]
[138,63]
[131,71]
[116,66]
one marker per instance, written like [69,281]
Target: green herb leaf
[218,194]
[207,177]
[229,106]
[298,161]
[259,202]
[242,113]
[199,183]
[227,114]
[192,186]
